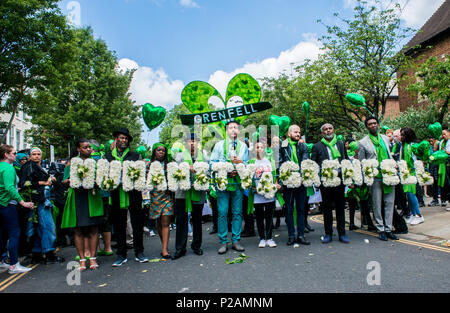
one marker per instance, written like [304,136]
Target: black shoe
[306,231]
[309,228]
[248,234]
[198,251]
[167,256]
[434,203]
[179,254]
[371,228]
[353,227]
[290,242]
[391,236]
[36,258]
[382,236]
[51,257]
[421,205]
[213,231]
[302,240]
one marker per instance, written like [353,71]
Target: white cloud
[271,67]
[415,13]
[154,86]
[189,3]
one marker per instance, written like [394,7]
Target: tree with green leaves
[30,31]
[434,83]
[87,98]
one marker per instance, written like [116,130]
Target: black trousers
[353,207]
[333,197]
[264,219]
[249,221]
[181,219]
[119,221]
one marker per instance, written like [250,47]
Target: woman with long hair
[9,220]
[161,202]
[83,211]
[408,136]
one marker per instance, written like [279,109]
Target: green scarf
[124,197]
[232,181]
[441,170]
[192,194]
[407,156]
[69,218]
[335,154]
[382,154]
[293,145]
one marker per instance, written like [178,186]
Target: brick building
[435,33]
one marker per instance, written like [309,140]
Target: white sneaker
[262,243]
[4,265]
[19,269]
[410,219]
[448,209]
[271,243]
[146,230]
[152,233]
[417,220]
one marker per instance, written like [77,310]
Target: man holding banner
[235,151]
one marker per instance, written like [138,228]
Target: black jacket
[286,153]
[33,173]
[319,152]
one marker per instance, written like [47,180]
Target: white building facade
[16,135]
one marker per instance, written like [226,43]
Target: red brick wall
[440,47]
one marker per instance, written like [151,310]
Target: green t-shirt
[8,182]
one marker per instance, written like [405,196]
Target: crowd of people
[40,211]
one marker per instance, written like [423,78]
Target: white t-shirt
[262,166]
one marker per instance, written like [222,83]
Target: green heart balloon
[421,150]
[439,157]
[108,145]
[196,94]
[353,146]
[355,99]
[435,130]
[142,150]
[340,137]
[153,116]
[305,108]
[283,122]
[244,86]
[384,129]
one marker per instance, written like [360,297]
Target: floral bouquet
[266,186]
[82,173]
[178,176]
[389,172]
[289,174]
[351,172]
[370,170]
[108,174]
[310,173]
[246,174]
[329,173]
[133,176]
[156,178]
[222,169]
[424,178]
[201,178]
[405,175]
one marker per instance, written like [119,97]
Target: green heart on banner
[196,94]
[355,99]
[244,86]
[153,116]
[283,123]
[421,150]
[435,130]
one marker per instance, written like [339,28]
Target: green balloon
[421,150]
[439,157]
[340,137]
[384,129]
[244,86]
[353,145]
[196,94]
[435,130]
[108,145]
[355,99]
[305,108]
[283,122]
[153,116]
[142,150]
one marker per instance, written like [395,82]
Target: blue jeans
[223,200]
[413,203]
[43,234]
[297,196]
[10,222]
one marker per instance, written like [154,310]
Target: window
[11,136]
[18,140]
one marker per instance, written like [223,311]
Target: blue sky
[173,42]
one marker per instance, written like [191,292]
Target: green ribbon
[335,154]
[114,154]
[293,145]
[382,154]
[442,169]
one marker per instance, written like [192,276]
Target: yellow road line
[319,220]
[15,277]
